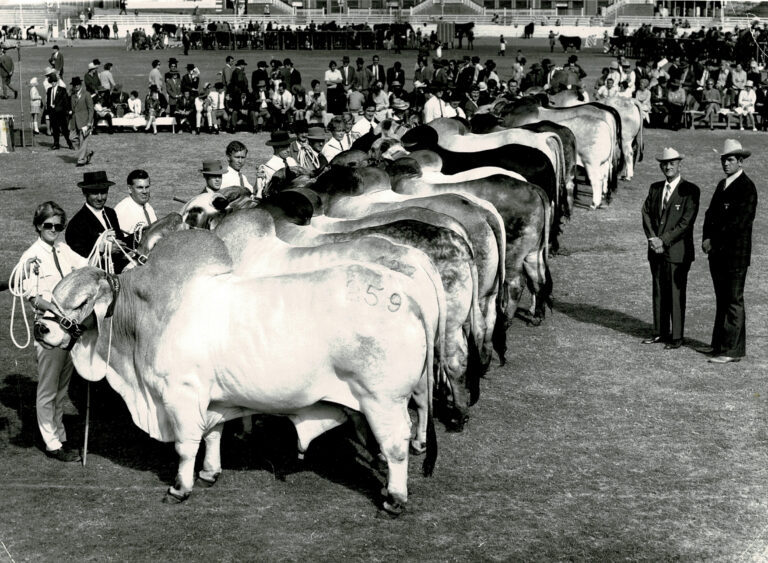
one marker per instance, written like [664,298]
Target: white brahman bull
[631,125]
[189,345]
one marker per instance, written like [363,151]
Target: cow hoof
[208,478]
[418,447]
[174,497]
[393,507]
[534,321]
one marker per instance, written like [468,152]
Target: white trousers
[54,369]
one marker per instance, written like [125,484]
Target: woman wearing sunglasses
[46,262]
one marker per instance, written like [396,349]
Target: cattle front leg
[629,162]
[420,398]
[185,477]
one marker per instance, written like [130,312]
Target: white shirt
[43,283]
[332,148]
[363,126]
[217,100]
[730,179]
[134,106]
[433,109]
[232,178]
[130,214]
[99,213]
[282,101]
[333,76]
[451,111]
[672,187]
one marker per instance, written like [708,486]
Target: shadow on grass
[614,320]
[18,393]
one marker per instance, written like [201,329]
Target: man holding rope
[88,224]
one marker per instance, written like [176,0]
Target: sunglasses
[58,227]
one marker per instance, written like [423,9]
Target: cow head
[82,300]
[152,235]
[204,211]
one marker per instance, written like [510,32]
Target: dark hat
[190,66]
[546,63]
[212,168]
[172,61]
[55,47]
[219,85]
[316,133]
[153,88]
[345,58]
[369,103]
[280,139]
[76,81]
[241,62]
[95,180]
[300,126]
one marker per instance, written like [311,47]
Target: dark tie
[242,183]
[106,221]
[56,261]
[665,199]
[146,213]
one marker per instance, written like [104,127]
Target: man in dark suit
[395,74]
[377,70]
[57,61]
[82,119]
[363,77]
[259,75]
[57,106]
[669,213]
[347,74]
[85,228]
[291,76]
[727,240]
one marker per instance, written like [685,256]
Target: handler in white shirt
[280,141]
[236,155]
[135,209]
[434,106]
[338,141]
[368,122]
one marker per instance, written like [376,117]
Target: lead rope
[19,276]
[103,262]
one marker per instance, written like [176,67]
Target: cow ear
[102,300]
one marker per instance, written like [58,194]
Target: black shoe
[706,350]
[70,146]
[55,147]
[89,157]
[674,345]
[654,340]
[16,95]
[67,456]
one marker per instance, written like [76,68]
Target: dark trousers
[670,283]
[729,336]
[59,127]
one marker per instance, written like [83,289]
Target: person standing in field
[502,46]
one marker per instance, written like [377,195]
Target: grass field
[586,446]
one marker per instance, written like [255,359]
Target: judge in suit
[85,228]
[727,241]
[57,106]
[347,74]
[57,61]
[363,77]
[82,119]
[668,214]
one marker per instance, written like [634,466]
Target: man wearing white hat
[746,105]
[727,241]
[668,214]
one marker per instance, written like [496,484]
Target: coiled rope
[16,283]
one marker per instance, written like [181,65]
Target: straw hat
[316,133]
[49,70]
[669,154]
[732,147]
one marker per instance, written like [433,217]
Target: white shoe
[741,128]
[754,129]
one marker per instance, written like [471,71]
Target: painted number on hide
[370,295]
[394,302]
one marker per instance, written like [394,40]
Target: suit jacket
[675,226]
[364,78]
[82,110]
[382,75]
[728,223]
[92,82]
[61,104]
[349,79]
[258,75]
[84,229]
[291,78]
[393,75]
[57,62]
[173,86]
[424,75]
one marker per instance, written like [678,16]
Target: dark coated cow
[568,41]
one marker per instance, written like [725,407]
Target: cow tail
[428,467]
[542,287]
[565,209]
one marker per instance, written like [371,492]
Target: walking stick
[87,423]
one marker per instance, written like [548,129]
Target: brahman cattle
[568,41]
[189,345]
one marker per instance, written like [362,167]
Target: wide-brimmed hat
[33,81]
[190,66]
[93,64]
[395,83]
[212,168]
[280,139]
[400,105]
[261,83]
[49,70]
[76,81]
[732,147]
[669,154]
[241,62]
[482,86]
[316,133]
[614,65]
[95,181]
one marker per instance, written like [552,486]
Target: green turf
[587,446]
